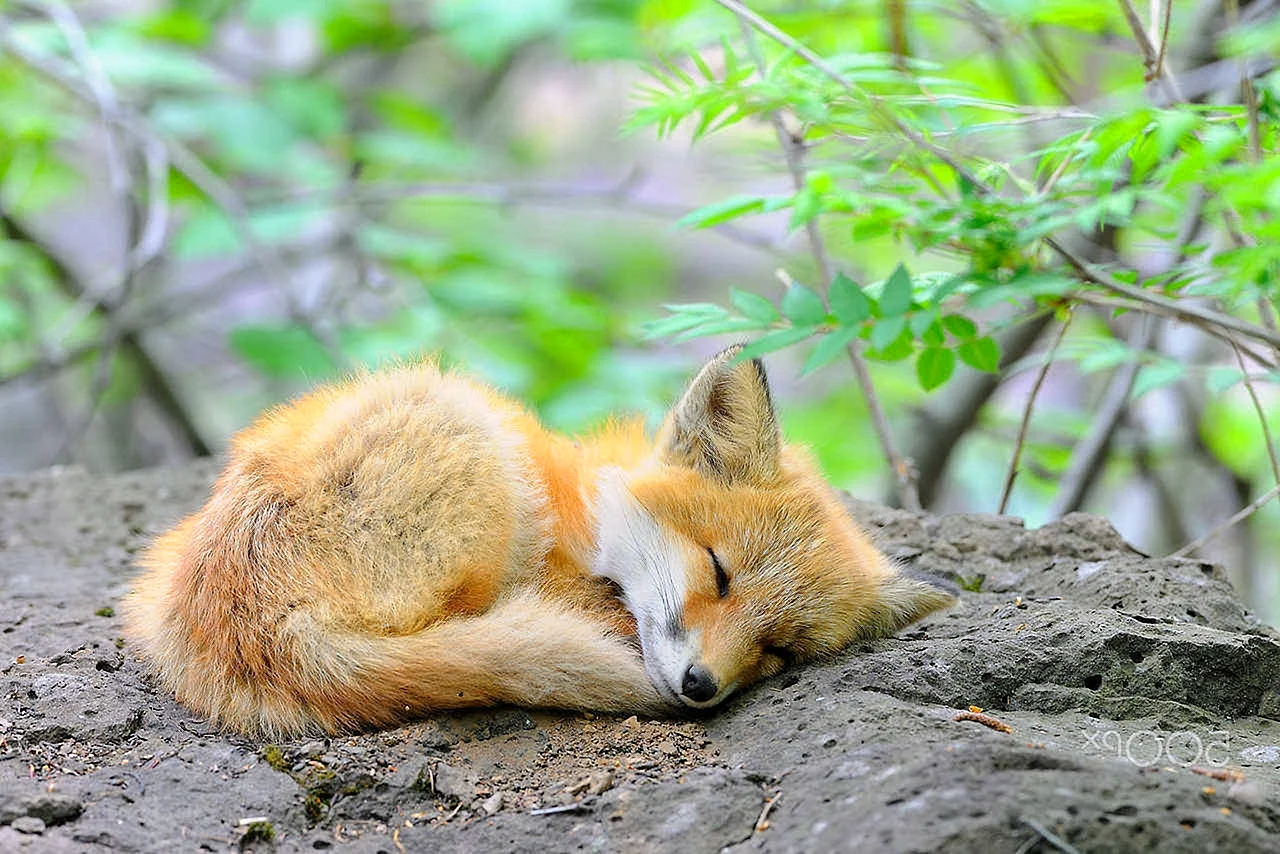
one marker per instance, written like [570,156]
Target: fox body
[411,541]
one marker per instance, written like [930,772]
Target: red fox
[411,541]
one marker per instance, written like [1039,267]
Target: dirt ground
[1141,703]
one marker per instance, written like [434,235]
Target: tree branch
[1088,457]
[156,382]
[1014,459]
[1240,516]
[793,151]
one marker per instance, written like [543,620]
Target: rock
[600,782]
[1142,698]
[453,783]
[50,808]
[28,824]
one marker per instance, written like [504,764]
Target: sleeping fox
[411,541]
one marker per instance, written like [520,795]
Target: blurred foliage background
[1011,255]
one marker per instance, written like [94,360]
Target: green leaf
[1172,126]
[1106,353]
[959,326]
[981,353]
[775,340]
[802,306]
[925,326]
[753,306]
[723,211]
[829,347]
[896,298]
[718,327]
[488,30]
[272,11]
[682,319]
[886,331]
[281,351]
[207,233]
[934,367]
[311,105]
[1154,376]
[176,25]
[807,205]
[896,350]
[13,320]
[1220,378]
[848,303]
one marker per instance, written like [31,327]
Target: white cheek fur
[649,564]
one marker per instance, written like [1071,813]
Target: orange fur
[411,540]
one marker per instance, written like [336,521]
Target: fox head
[732,553]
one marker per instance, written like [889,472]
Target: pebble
[311,748]
[666,748]
[600,782]
[28,824]
[492,804]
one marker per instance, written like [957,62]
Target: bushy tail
[526,651]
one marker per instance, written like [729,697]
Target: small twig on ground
[576,806]
[1012,474]
[1049,836]
[762,823]
[1241,515]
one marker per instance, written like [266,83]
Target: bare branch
[1012,474]
[623,195]
[1239,516]
[1151,55]
[1089,455]
[1181,309]
[222,194]
[793,151]
[1164,36]
[154,380]
[1262,416]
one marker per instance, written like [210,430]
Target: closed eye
[722,577]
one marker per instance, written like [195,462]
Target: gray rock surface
[1143,704]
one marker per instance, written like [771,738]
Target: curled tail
[525,651]
[309,675]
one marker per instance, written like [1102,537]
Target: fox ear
[905,598]
[724,424]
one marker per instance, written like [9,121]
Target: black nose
[699,685]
